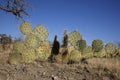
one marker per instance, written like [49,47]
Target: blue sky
[94,19]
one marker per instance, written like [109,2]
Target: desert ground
[86,69]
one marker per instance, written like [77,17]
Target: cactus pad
[110,48]
[32,41]
[75,56]
[97,45]
[18,47]
[28,55]
[87,52]
[26,28]
[43,53]
[41,32]
[74,37]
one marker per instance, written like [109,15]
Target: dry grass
[112,64]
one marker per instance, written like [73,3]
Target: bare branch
[16,7]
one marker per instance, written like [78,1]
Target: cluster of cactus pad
[36,47]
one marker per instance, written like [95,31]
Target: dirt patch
[91,69]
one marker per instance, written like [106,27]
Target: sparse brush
[110,49]
[97,45]
[74,37]
[41,32]
[26,28]
[75,56]
[15,58]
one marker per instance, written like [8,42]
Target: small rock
[54,77]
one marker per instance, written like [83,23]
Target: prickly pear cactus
[18,47]
[41,32]
[74,37]
[81,45]
[110,49]
[65,54]
[102,53]
[97,45]
[28,55]
[26,28]
[43,53]
[31,41]
[118,52]
[45,43]
[70,48]
[75,56]
[87,52]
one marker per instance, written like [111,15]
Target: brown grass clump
[112,64]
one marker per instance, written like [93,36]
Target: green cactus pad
[45,43]
[74,37]
[43,53]
[28,55]
[26,28]
[110,48]
[97,45]
[81,45]
[75,56]
[18,47]
[41,32]
[102,53]
[32,41]
[70,48]
[87,52]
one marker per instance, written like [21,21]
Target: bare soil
[90,69]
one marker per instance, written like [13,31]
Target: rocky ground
[90,69]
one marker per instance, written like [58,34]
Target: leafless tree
[16,7]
